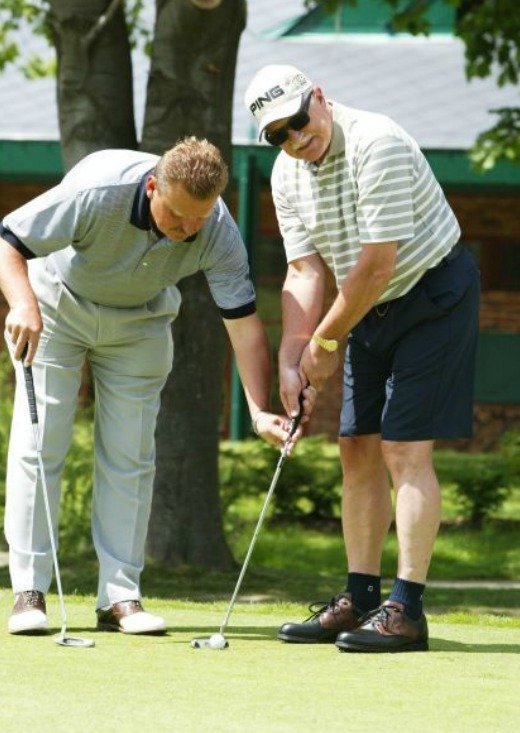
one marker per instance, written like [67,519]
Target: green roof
[368,16]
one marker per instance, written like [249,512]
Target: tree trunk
[95,94]
[190,92]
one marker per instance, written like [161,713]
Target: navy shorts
[409,369]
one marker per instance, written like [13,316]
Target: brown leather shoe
[29,614]
[324,623]
[130,618]
[387,629]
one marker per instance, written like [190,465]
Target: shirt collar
[140,215]
[337,141]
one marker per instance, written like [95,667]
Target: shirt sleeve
[48,223]
[226,268]
[385,181]
[13,240]
[296,239]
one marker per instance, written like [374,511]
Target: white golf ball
[217,641]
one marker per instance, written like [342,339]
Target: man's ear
[318,94]
[151,185]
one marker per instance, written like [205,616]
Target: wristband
[329,345]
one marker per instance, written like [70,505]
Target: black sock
[365,590]
[410,594]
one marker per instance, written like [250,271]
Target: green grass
[293,565]
[468,681]
[460,553]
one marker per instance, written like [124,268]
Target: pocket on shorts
[413,311]
[446,285]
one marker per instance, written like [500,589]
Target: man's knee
[406,458]
[360,454]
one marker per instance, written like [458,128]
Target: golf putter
[219,641]
[62,639]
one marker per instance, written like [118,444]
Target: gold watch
[329,345]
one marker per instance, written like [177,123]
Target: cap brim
[280,112]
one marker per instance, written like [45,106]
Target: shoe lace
[381,614]
[318,607]
[31,597]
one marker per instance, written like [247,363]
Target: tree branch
[101,22]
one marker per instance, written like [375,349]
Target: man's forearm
[302,305]
[14,280]
[360,291]
[23,323]
[251,348]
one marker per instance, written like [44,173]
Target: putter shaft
[253,540]
[62,639]
[37,437]
[294,426]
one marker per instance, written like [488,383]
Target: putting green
[468,681]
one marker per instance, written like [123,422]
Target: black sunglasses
[296,122]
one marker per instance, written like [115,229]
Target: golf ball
[217,641]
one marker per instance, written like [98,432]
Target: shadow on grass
[268,634]
[79,576]
[461,553]
[232,633]
[54,631]
[442,645]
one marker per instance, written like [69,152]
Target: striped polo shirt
[374,185]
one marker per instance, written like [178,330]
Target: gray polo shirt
[95,228]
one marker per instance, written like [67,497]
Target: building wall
[491,227]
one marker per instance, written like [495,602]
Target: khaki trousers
[130,351]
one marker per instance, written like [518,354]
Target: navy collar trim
[140,216]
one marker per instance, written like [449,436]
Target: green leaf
[37,68]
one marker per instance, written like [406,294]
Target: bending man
[90,268]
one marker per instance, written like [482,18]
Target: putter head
[217,641]
[74,641]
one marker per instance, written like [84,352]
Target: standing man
[90,268]
[353,193]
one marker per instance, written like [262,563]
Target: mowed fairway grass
[467,682]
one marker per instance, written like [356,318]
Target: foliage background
[489,29]
[475,486]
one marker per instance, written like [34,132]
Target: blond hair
[195,163]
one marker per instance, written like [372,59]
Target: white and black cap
[276,92]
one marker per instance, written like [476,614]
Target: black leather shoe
[387,629]
[324,623]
